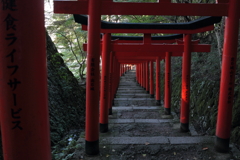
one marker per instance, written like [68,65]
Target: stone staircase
[139,130]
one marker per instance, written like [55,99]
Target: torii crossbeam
[163,7]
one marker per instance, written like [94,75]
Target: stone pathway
[138,130]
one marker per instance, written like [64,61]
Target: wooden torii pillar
[24,113]
[158,95]
[227,84]
[227,8]
[104,91]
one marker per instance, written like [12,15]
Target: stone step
[129,75]
[155,140]
[134,101]
[132,91]
[139,121]
[132,74]
[136,114]
[124,80]
[122,88]
[127,80]
[129,95]
[131,108]
[130,87]
[128,84]
[157,149]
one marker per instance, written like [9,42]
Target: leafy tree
[69,38]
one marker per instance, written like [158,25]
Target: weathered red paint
[185,96]
[24,96]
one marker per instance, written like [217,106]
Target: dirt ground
[156,152]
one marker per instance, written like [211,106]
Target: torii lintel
[161,8]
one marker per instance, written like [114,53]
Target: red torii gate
[32,142]
[166,55]
[159,50]
[104,98]
[167,39]
[222,8]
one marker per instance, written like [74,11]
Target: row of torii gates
[23,75]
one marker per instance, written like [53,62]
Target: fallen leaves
[147,143]
[205,148]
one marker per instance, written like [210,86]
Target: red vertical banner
[151,80]
[92,88]
[167,86]
[185,96]
[24,97]
[158,96]
[105,83]
[227,84]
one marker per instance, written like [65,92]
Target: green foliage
[69,39]
[65,149]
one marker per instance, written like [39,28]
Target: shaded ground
[138,130]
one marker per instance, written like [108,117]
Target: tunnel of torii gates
[129,50]
[24,103]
